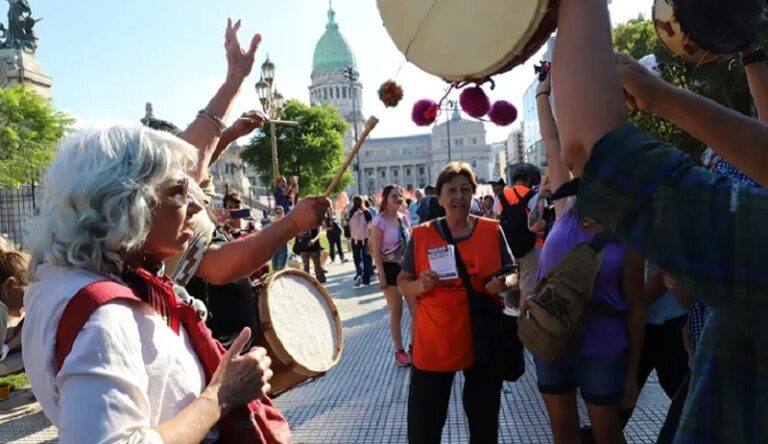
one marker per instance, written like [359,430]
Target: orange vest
[509,193]
[443,334]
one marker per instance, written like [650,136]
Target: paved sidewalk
[364,398]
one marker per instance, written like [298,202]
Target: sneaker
[402,359]
[358,281]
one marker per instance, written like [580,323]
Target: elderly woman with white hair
[113,354]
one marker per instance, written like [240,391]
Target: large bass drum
[300,328]
[468,40]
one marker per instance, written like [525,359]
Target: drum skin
[289,370]
[676,41]
[463,40]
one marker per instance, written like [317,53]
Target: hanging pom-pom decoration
[424,112]
[503,113]
[390,93]
[474,102]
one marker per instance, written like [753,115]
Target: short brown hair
[14,264]
[453,169]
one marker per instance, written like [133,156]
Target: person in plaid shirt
[703,229]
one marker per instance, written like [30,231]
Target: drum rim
[534,37]
[708,56]
[277,345]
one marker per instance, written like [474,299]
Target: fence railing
[17,206]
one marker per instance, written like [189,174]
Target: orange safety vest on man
[509,193]
[443,334]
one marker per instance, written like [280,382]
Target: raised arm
[558,171]
[208,125]
[243,126]
[589,99]
[741,140]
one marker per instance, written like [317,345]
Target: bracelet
[542,94]
[214,119]
[755,56]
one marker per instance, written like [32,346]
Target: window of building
[394,173]
[370,173]
[474,141]
[344,92]
[368,153]
[421,170]
[422,185]
[407,171]
[338,95]
[473,163]
[383,173]
[325,93]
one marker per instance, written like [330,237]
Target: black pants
[363,260]
[334,244]
[428,398]
[663,351]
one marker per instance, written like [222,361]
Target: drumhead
[305,325]
[468,40]
[676,41]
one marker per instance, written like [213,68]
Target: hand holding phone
[243,213]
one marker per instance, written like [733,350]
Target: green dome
[332,52]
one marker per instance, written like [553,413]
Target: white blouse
[127,371]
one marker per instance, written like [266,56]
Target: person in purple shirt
[603,362]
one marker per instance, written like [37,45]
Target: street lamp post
[351,75]
[451,105]
[272,103]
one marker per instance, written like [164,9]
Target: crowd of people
[137,297]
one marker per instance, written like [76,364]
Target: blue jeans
[280,258]
[363,260]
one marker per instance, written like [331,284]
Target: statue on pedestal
[20,33]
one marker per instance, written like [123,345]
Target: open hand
[545,86]
[239,62]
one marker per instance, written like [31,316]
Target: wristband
[214,119]
[542,94]
[755,56]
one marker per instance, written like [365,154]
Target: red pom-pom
[503,113]
[474,102]
[424,112]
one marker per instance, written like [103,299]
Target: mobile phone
[244,213]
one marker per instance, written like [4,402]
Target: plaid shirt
[709,233]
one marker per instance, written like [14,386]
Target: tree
[720,82]
[29,131]
[313,151]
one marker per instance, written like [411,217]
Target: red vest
[443,334]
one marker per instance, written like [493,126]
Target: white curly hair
[99,192]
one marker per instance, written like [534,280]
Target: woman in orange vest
[443,335]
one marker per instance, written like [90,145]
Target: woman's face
[394,199]
[456,196]
[488,203]
[171,228]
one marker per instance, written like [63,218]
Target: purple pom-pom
[424,112]
[503,113]
[474,102]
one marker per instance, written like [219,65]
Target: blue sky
[108,58]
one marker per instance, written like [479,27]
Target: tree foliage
[722,82]
[313,151]
[29,131]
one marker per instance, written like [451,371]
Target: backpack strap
[80,308]
[505,205]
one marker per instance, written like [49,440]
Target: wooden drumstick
[369,126]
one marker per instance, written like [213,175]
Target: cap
[233,196]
